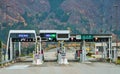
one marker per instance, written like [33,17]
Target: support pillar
[11,49]
[19,48]
[115,55]
[83,55]
[104,50]
[110,48]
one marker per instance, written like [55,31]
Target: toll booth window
[62,35]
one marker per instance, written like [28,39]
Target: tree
[0,44]
[0,51]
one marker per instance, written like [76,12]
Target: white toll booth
[18,36]
[62,36]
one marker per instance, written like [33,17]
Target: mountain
[79,16]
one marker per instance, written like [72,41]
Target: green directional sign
[86,36]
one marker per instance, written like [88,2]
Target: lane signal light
[49,38]
[50,35]
[72,38]
[96,39]
[47,35]
[53,35]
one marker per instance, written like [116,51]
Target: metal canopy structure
[90,37]
[99,38]
[54,35]
[58,35]
[18,36]
[64,35]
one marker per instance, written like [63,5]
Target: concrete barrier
[62,60]
[37,59]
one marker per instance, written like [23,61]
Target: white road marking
[18,67]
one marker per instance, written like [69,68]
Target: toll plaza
[61,37]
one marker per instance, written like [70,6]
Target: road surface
[54,68]
[52,54]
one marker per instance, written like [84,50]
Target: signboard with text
[87,36]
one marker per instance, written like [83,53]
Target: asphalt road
[54,68]
[51,54]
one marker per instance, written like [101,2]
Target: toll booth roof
[102,35]
[22,31]
[54,31]
[47,31]
[95,35]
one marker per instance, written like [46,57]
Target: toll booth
[18,36]
[56,36]
[104,39]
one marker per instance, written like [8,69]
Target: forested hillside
[79,16]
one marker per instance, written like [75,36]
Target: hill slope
[80,16]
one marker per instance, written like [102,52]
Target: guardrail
[6,63]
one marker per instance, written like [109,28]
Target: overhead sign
[51,35]
[23,35]
[87,36]
[54,35]
[48,35]
[23,39]
[78,36]
[63,34]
